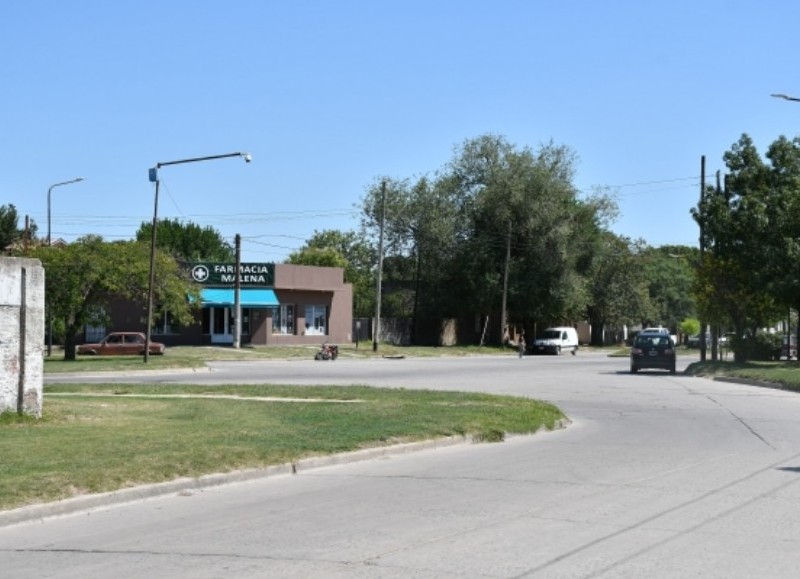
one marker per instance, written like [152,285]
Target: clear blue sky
[329,96]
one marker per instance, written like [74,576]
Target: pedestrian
[521,344]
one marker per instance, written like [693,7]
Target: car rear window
[649,341]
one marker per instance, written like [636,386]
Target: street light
[49,316]
[785,97]
[49,191]
[154,179]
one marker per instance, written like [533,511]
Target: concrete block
[22,331]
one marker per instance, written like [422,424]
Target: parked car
[653,350]
[121,344]
[694,341]
[556,340]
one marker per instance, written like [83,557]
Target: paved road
[657,476]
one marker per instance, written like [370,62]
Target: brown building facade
[280,304]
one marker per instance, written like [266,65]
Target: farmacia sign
[250,274]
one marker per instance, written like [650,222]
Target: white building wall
[22,321]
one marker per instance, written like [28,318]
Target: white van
[556,340]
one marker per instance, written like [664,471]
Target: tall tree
[82,278]
[524,217]
[188,241]
[748,238]
[347,249]
[619,287]
[496,225]
[10,232]
[669,270]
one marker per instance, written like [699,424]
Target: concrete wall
[22,321]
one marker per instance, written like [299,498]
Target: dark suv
[653,350]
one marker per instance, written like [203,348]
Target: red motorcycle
[327,352]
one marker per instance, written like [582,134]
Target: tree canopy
[83,278]
[350,251]
[498,224]
[10,232]
[188,241]
[749,274]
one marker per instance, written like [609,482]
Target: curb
[751,382]
[72,376]
[182,485]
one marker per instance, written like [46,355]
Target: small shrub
[762,346]
[491,435]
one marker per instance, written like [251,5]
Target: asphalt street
[655,476]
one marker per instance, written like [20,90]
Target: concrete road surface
[657,476]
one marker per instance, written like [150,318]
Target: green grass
[784,373]
[197,356]
[97,438]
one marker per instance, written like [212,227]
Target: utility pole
[503,307]
[237,304]
[377,325]
[702,251]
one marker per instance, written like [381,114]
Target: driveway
[656,476]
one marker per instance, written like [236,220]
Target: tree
[669,270]
[419,223]
[749,236]
[188,241]
[619,287]
[319,256]
[10,233]
[521,215]
[497,225]
[83,277]
[347,249]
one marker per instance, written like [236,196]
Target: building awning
[248,298]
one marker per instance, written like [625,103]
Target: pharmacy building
[280,304]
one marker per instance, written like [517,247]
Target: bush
[762,346]
[689,327]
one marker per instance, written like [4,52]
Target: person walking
[521,344]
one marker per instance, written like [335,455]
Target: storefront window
[283,320]
[206,320]
[316,320]
[245,329]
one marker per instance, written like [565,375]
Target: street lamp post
[49,192]
[785,97]
[49,315]
[151,286]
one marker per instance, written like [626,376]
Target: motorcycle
[327,352]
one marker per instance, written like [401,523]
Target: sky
[331,96]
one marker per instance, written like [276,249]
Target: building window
[245,329]
[316,320]
[283,320]
[165,324]
[94,333]
[206,323]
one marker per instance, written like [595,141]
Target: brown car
[121,344]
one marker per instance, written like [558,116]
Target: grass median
[98,438]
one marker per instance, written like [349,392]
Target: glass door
[221,325]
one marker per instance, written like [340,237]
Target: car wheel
[574,351]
